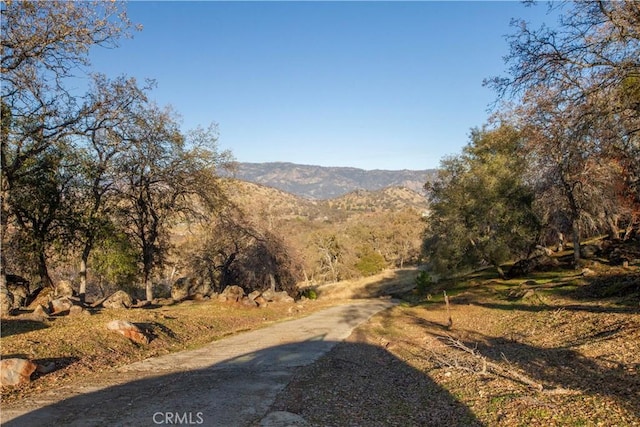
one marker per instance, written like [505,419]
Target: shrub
[423,282]
[310,293]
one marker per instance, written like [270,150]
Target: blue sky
[373,85]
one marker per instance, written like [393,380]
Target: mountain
[321,183]
[265,201]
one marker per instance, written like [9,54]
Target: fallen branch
[488,366]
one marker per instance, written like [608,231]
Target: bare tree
[104,139]
[164,177]
[578,87]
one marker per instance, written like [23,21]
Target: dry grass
[81,345]
[544,351]
[512,358]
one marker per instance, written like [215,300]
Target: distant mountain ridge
[322,182]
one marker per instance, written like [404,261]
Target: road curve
[230,382]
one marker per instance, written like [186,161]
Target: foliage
[423,282]
[369,262]
[481,208]
[310,293]
[575,91]
[231,250]
[115,262]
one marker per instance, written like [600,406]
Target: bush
[310,293]
[423,282]
[370,262]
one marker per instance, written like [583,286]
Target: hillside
[319,182]
[263,200]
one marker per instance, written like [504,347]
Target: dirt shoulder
[229,382]
[548,350]
[536,352]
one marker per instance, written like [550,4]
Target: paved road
[231,382]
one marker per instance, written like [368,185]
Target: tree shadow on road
[360,384]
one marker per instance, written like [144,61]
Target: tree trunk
[575,229]
[83,272]
[43,271]
[613,227]
[148,284]
[83,280]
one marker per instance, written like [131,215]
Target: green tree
[43,46]
[165,177]
[481,209]
[41,203]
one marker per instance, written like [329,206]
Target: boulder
[232,294]
[589,251]
[246,301]
[253,295]
[129,330]
[273,296]
[42,296]
[189,288]
[64,288]
[6,301]
[40,314]
[16,371]
[60,305]
[77,310]
[529,265]
[261,301]
[19,289]
[118,299]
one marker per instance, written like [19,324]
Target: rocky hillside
[319,182]
[267,201]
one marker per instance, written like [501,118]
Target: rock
[273,296]
[77,310]
[16,371]
[42,296]
[246,301]
[588,272]
[19,289]
[232,293]
[589,251]
[6,301]
[119,299]
[145,303]
[253,295]
[60,306]
[64,288]
[268,294]
[261,301]
[129,330]
[40,314]
[282,296]
[529,265]
[189,288]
